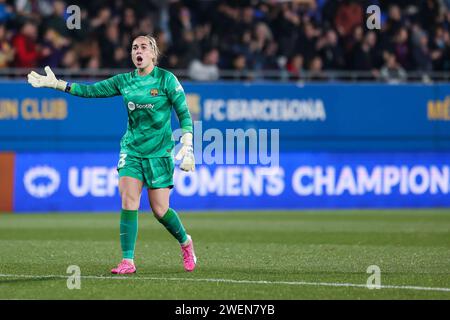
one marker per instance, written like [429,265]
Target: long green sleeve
[101,89]
[149,101]
[176,95]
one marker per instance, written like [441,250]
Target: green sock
[173,224]
[128,232]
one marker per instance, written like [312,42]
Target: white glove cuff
[61,85]
[186,139]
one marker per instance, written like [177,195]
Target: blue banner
[88,182]
[310,117]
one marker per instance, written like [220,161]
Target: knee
[130,201]
[159,210]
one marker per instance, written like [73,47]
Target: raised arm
[101,89]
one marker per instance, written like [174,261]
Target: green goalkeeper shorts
[153,172]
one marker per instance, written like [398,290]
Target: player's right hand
[47,81]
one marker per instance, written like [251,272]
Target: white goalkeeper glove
[47,81]
[186,153]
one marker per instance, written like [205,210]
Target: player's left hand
[186,153]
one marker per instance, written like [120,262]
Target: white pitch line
[293,283]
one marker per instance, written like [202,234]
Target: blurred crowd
[205,37]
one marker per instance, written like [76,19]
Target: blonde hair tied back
[154,47]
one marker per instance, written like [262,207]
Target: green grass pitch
[241,255]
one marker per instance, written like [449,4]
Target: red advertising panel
[6,181]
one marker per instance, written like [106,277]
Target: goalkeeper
[149,94]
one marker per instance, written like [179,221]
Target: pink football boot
[124,267]
[189,258]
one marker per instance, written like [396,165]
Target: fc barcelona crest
[154,92]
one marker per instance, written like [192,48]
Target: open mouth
[139,59]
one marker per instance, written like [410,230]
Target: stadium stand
[245,40]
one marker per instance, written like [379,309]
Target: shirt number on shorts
[121,160]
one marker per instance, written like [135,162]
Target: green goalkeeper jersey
[149,101]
